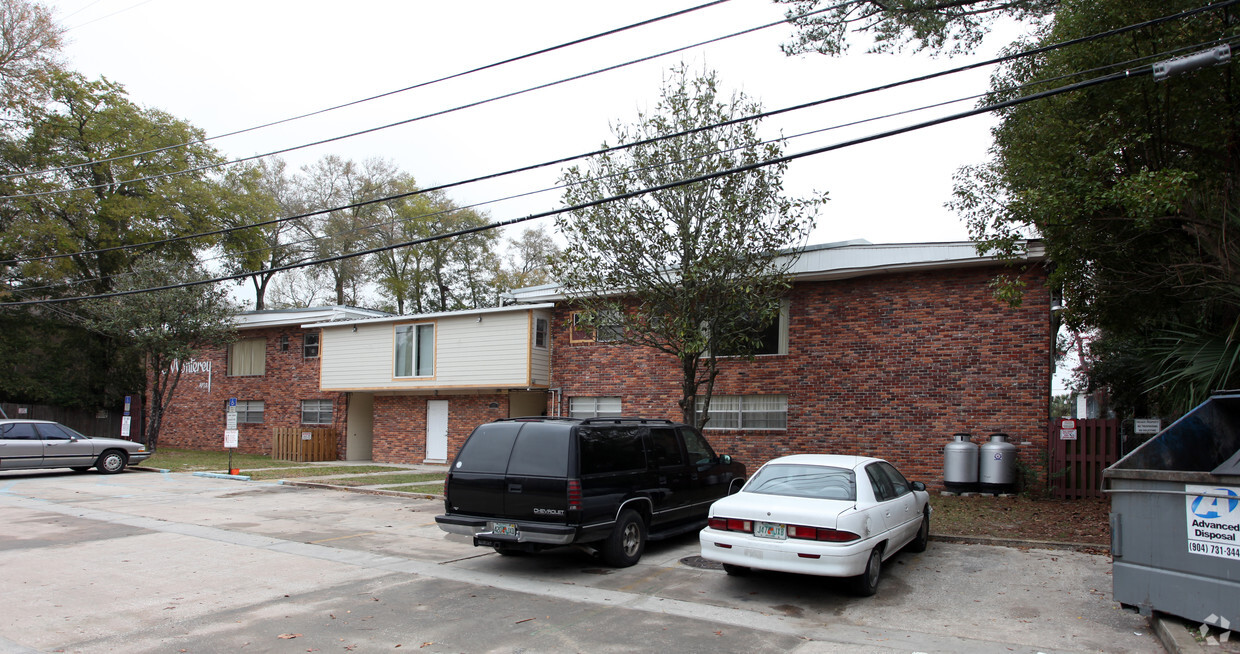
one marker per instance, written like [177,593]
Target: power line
[757,116]
[370,227]
[528,55]
[433,114]
[1126,74]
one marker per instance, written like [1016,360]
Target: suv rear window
[487,449]
[611,449]
[541,451]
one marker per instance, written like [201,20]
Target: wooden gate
[303,444]
[1079,451]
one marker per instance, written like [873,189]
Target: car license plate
[504,529]
[769,530]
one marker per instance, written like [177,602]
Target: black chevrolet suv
[526,484]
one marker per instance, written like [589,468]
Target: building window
[608,328]
[415,350]
[540,333]
[310,345]
[747,411]
[249,411]
[247,357]
[316,412]
[772,336]
[594,407]
[284,342]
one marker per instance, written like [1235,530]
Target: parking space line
[734,617]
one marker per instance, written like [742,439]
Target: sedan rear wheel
[866,584]
[919,543]
[111,462]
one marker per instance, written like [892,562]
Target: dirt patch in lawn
[1069,521]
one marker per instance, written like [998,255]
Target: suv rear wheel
[627,541]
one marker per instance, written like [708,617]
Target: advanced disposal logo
[1213,521]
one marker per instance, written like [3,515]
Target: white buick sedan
[819,514]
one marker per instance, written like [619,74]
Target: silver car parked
[28,444]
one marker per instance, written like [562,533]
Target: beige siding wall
[473,351]
[540,357]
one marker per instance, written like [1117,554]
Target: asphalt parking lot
[163,562]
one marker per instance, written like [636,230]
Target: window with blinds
[747,411]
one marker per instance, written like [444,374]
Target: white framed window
[249,411]
[316,412]
[310,345]
[772,335]
[415,350]
[746,411]
[541,330]
[608,328]
[247,357]
[594,407]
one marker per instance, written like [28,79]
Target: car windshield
[795,480]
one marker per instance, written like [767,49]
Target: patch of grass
[1073,521]
[389,479]
[426,489]
[193,460]
[317,471]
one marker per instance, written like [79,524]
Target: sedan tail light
[730,524]
[821,534]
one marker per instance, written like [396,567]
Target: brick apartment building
[272,370]
[884,350]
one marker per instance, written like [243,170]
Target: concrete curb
[356,489]
[222,475]
[1173,636]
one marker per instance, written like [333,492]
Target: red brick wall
[195,419]
[400,423]
[888,366]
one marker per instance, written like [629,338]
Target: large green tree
[690,270]
[260,200]
[30,43]
[828,26]
[93,171]
[166,328]
[1133,184]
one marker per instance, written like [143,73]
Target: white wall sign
[1213,516]
[1146,426]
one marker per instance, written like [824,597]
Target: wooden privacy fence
[303,444]
[1079,451]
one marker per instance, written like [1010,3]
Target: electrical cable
[566,44]
[433,114]
[1127,74]
[760,115]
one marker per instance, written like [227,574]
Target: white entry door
[437,431]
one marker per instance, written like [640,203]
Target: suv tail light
[574,494]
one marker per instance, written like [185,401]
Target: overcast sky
[230,64]
[227,65]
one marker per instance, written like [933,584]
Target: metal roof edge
[430,316]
